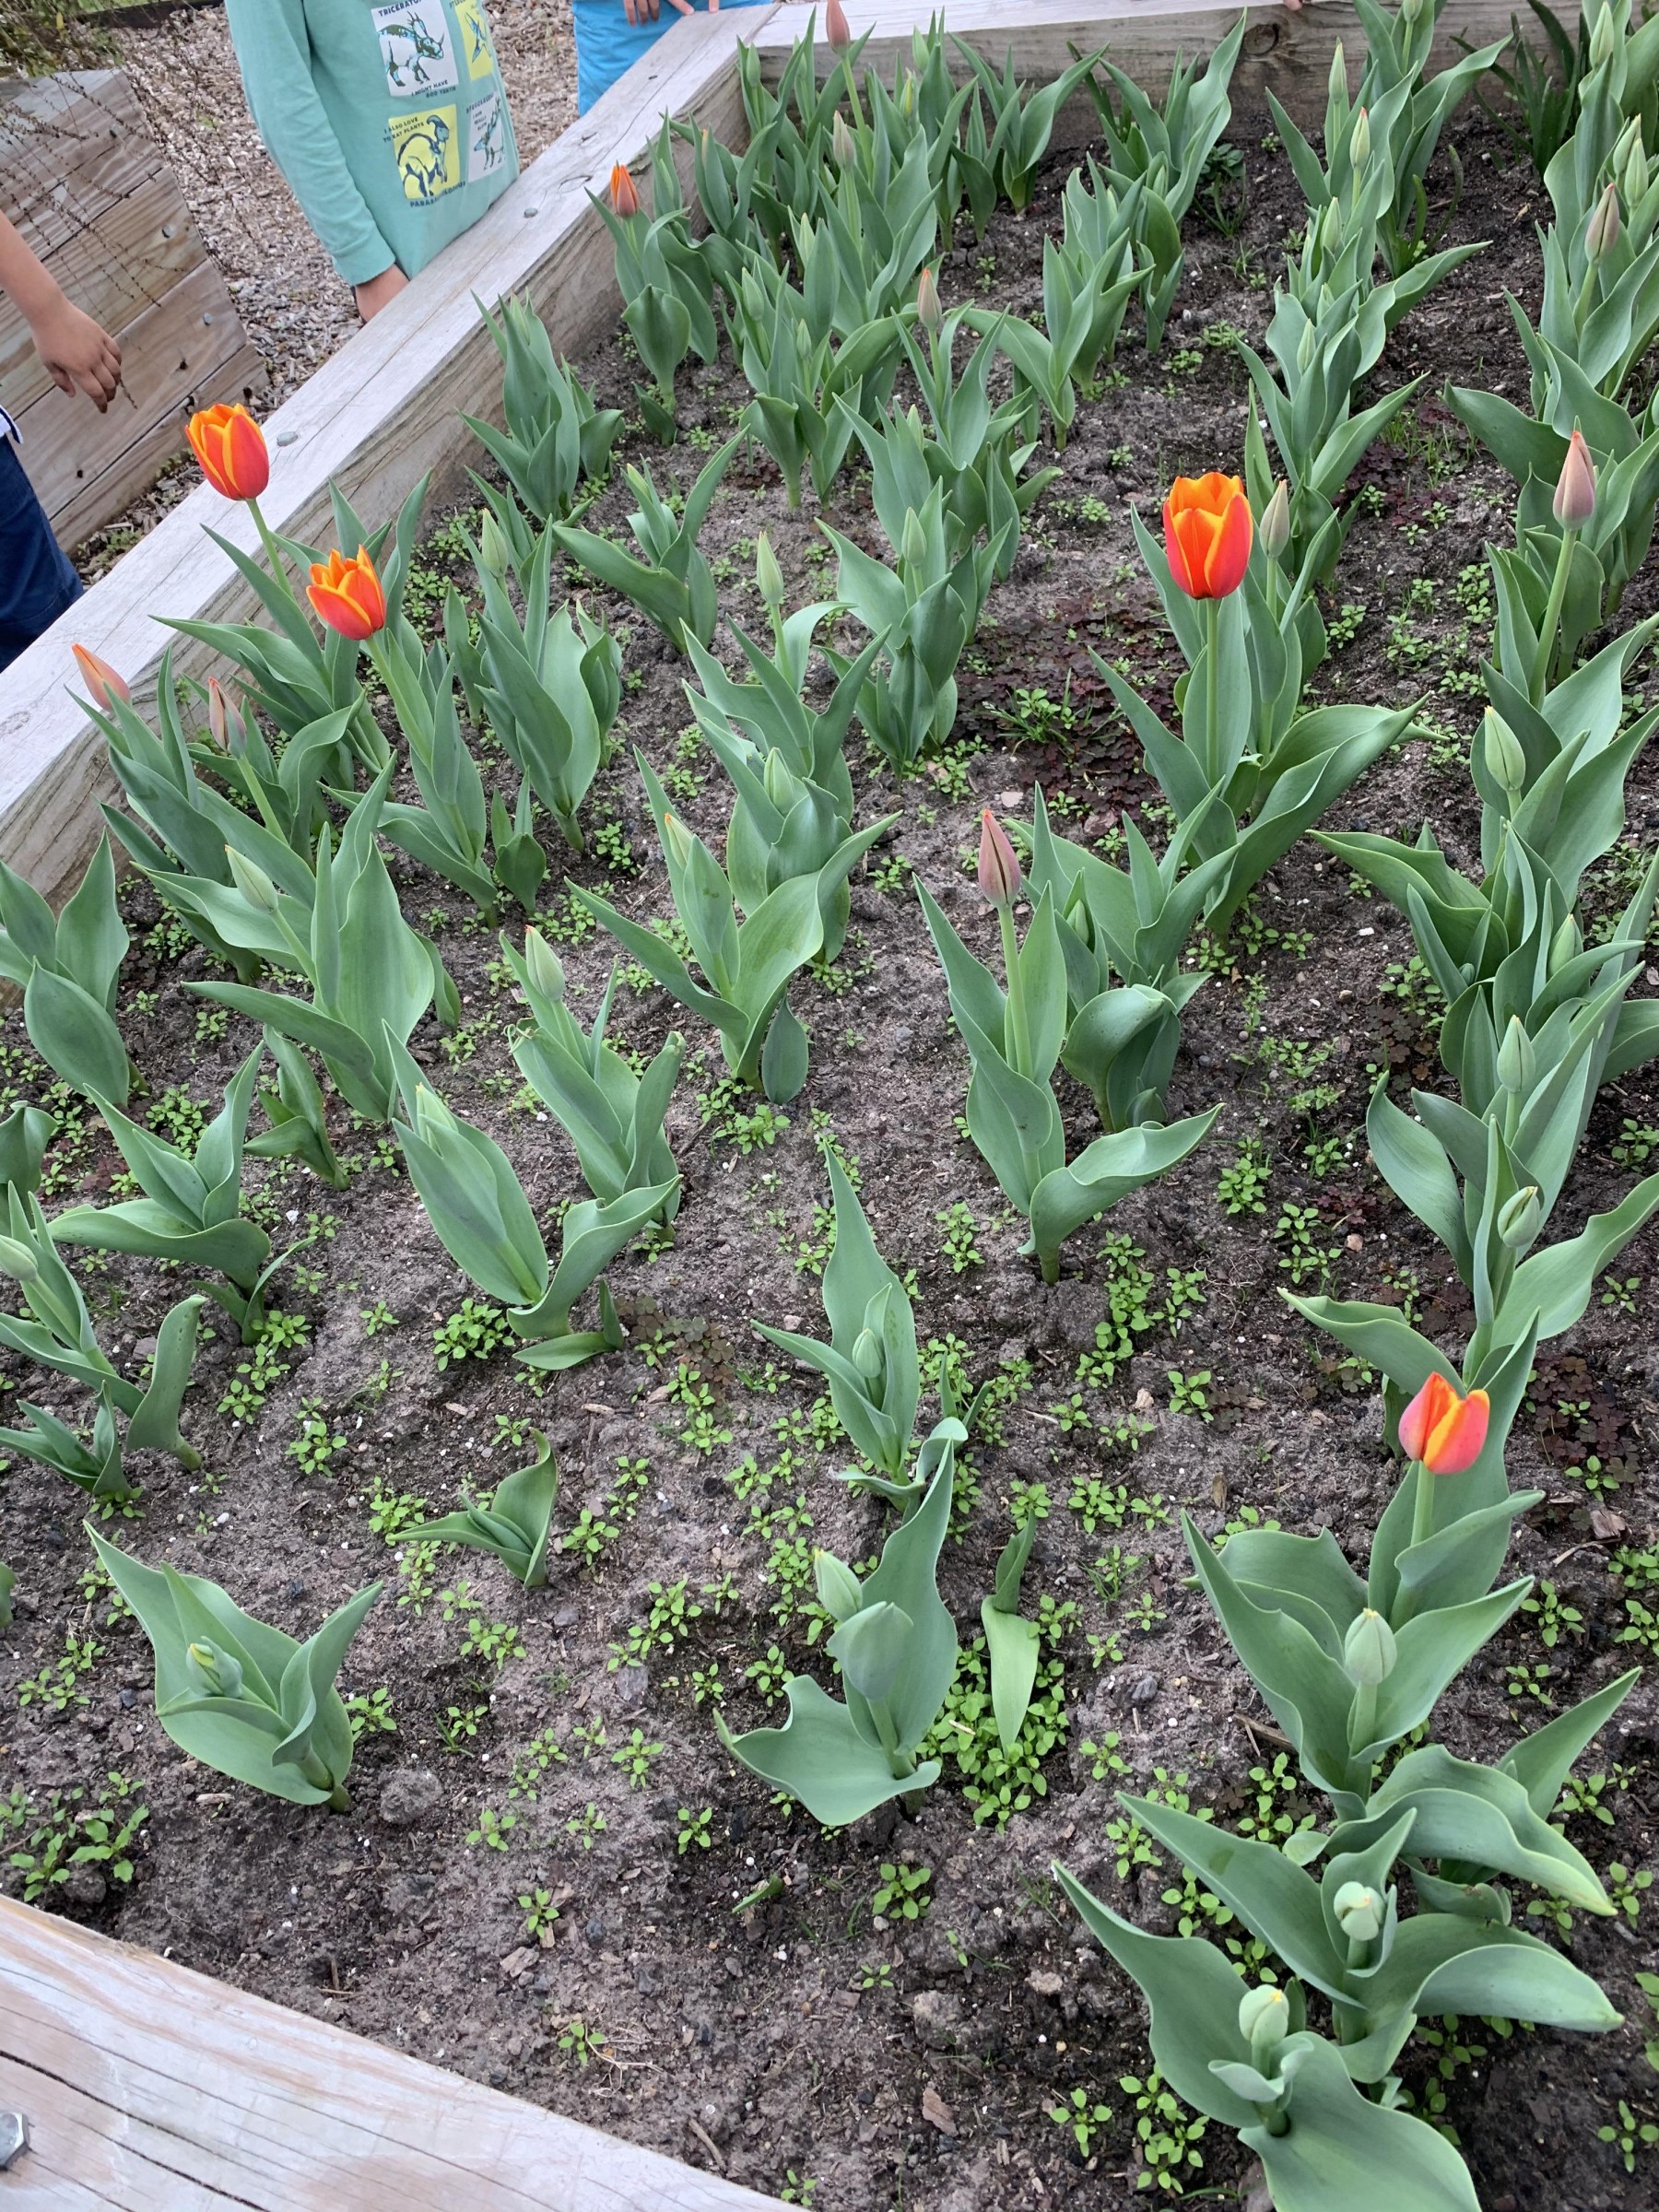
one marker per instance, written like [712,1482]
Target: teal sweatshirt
[389,121]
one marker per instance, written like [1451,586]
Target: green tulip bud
[1411,11]
[1368,1650]
[841,141]
[252,882]
[433,1119]
[1566,945]
[677,839]
[1337,84]
[912,540]
[1330,231]
[1305,350]
[906,95]
[1517,1063]
[544,967]
[1273,529]
[929,312]
[493,556]
[1360,142]
[1601,39]
[1359,1913]
[768,576]
[1504,756]
[17,1261]
[1630,135]
[1602,234]
[215,1672]
[1264,2019]
[867,1354]
[837,1589]
[1520,1220]
[781,788]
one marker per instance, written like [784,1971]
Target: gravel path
[293,306]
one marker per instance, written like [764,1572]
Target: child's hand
[79,353]
[371,297]
[645,11]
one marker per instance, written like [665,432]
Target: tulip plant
[1015,1036]
[1249,772]
[666,289]
[749,958]
[554,437]
[672,586]
[896,1644]
[238,1694]
[57,1332]
[67,966]
[1165,147]
[514,1525]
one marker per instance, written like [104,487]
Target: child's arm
[76,350]
[271,46]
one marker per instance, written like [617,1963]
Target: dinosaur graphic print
[416,48]
[474,38]
[428,151]
[485,137]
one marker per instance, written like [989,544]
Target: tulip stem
[1422,1516]
[1362,1715]
[1019,1039]
[1552,618]
[272,551]
[1212,684]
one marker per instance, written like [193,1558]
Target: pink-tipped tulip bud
[1605,225]
[105,684]
[929,314]
[1274,529]
[837,29]
[999,876]
[1574,502]
[218,714]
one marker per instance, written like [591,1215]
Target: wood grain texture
[82,180]
[154,2089]
[375,417]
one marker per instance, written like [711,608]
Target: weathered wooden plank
[1286,49]
[152,2089]
[375,417]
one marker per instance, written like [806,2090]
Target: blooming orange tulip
[1207,531]
[348,596]
[624,192]
[1444,1431]
[105,684]
[231,449]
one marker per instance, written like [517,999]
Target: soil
[800,2039]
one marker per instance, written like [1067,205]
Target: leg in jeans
[37,581]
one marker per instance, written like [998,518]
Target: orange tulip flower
[348,596]
[231,449]
[105,684]
[624,192]
[1207,531]
[1445,1431]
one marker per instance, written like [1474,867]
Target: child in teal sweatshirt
[389,121]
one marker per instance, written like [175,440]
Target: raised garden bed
[543,1881]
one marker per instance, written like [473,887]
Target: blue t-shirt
[608,43]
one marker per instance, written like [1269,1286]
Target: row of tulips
[1347,1666]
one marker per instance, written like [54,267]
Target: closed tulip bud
[1337,84]
[212,1672]
[1411,11]
[906,95]
[1520,1220]
[677,839]
[1274,526]
[433,1119]
[1330,231]
[1517,1063]
[929,314]
[17,1261]
[1605,225]
[1359,1913]
[105,684]
[1304,350]
[781,788]
[624,192]
[768,576]
[999,876]
[1360,142]
[1264,2018]
[837,29]
[493,555]
[912,540]
[867,1354]
[841,141]
[837,1589]
[1635,177]
[1504,756]
[252,882]
[1566,945]
[1368,1650]
[1601,39]
[544,967]
[218,714]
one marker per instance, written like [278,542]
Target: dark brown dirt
[797,2037]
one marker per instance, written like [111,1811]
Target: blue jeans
[607,44]
[36,580]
